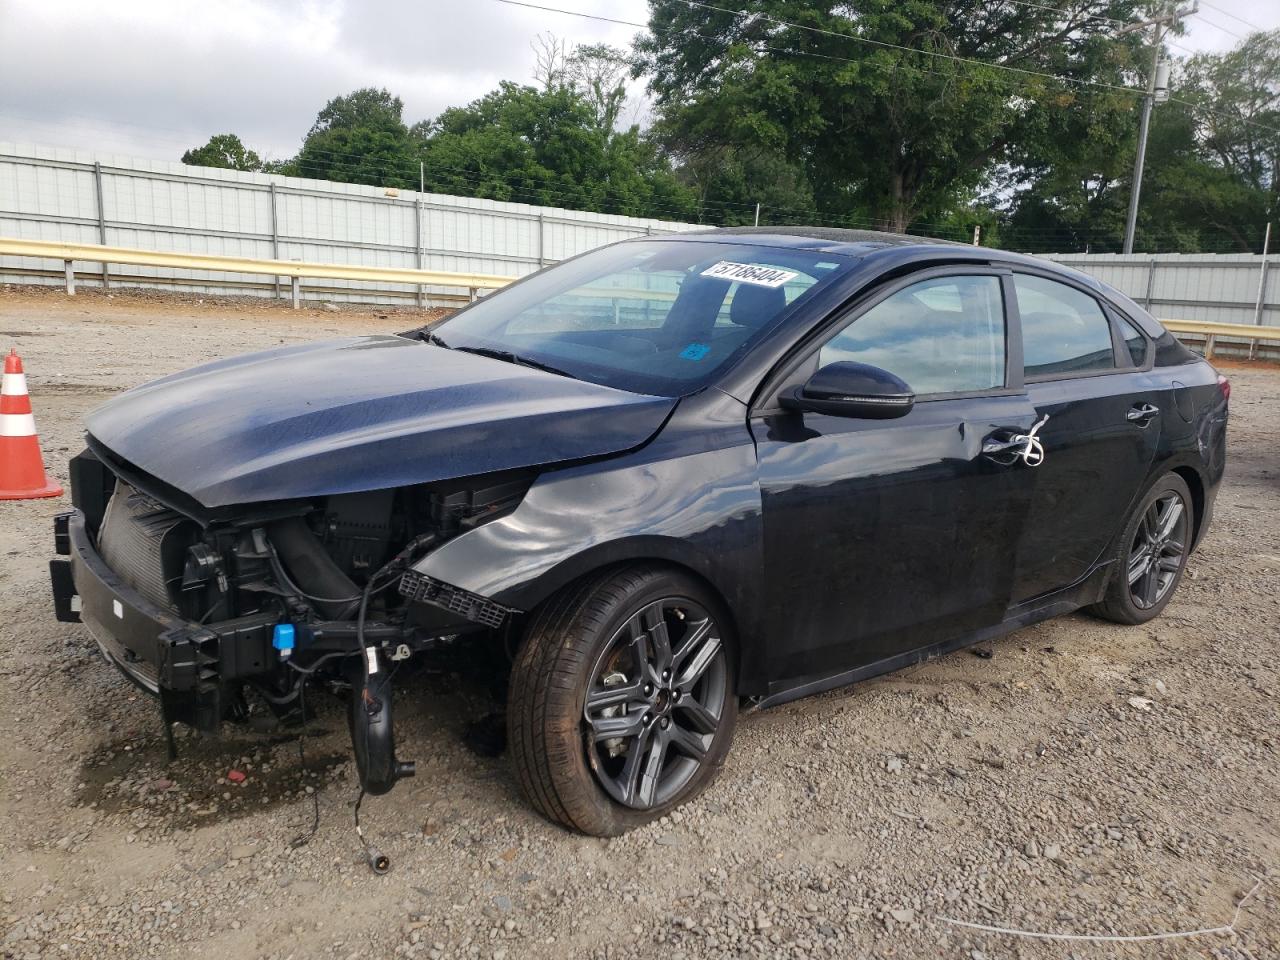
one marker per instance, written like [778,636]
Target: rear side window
[1064,331]
[941,336]
[1134,342]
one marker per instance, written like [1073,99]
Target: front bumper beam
[183,663]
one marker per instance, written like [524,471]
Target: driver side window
[944,335]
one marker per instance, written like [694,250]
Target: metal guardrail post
[69,266]
[1151,283]
[542,241]
[275,235]
[102,220]
[418,217]
[295,286]
[1262,286]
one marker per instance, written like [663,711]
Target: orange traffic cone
[21,466]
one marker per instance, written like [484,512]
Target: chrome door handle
[1142,413]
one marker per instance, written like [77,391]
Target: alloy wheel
[655,701]
[1158,548]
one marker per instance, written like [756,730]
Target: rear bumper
[184,663]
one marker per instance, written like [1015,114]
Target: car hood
[362,413]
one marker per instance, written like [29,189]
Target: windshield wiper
[509,357]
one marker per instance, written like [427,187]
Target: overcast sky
[151,78]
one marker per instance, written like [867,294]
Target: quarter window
[1064,331]
[944,335]
[1134,342]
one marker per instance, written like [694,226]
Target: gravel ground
[1086,779]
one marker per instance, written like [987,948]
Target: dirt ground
[1087,779]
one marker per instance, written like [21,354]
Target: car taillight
[1225,386]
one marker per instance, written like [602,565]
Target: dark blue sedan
[665,476]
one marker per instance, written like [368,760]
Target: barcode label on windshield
[749,273]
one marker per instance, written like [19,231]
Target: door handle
[1009,445]
[1142,413]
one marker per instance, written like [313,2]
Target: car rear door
[884,536]
[1104,425]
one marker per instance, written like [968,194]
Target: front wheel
[1153,553]
[623,700]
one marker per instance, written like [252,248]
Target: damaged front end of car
[248,525]
[212,610]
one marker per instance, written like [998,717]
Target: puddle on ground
[135,776]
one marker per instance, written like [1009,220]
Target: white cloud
[152,78]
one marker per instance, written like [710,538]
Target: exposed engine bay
[271,597]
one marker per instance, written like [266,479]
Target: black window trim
[783,375]
[1123,364]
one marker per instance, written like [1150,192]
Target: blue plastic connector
[282,639]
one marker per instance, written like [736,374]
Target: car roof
[826,239]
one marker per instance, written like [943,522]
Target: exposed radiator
[142,542]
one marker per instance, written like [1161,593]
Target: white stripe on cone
[17,424]
[15,385]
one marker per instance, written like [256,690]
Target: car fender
[686,500]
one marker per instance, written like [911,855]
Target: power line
[1137,91]
[832,33]
[1247,23]
[1217,26]
[1066,13]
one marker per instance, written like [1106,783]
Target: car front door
[885,536]
[1101,436]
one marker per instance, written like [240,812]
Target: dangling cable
[302,839]
[379,862]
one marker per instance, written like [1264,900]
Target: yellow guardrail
[1211,331]
[68,253]
[294,269]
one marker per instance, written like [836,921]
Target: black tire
[581,641]
[1157,560]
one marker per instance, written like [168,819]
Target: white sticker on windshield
[749,273]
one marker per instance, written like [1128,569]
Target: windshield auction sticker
[749,273]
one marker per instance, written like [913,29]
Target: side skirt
[1080,594]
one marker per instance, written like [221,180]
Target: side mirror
[849,389]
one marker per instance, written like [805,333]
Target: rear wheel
[623,700]
[1153,553]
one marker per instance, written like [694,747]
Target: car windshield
[655,316]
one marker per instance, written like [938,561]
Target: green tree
[547,146]
[862,95]
[359,138]
[1211,174]
[223,150]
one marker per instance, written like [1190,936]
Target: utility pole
[1157,92]
[757,214]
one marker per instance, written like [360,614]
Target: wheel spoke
[687,742]
[1151,587]
[1169,521]
[629,778]
[1150,520]
[623,726]
[697,664]
[1169,564]
[653,623]
[647,788]
[697,632]
[604,697]
[1138,566]
[697,716]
